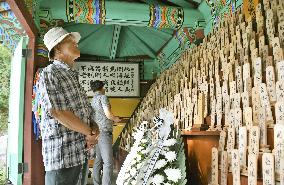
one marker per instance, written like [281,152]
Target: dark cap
[97,85]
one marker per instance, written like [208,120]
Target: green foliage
[5,56]
[2,175]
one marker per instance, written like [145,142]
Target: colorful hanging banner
[165,17]
[86,11]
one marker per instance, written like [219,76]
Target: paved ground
[115,173]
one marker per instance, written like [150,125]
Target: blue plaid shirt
[60,90]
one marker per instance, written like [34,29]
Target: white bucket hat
[55,35]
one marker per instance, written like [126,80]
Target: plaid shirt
[60,90]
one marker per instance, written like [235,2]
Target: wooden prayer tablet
[243,146]
[237,100]
[252,44]
[261,42]
[236,167]
[279,112]
[213,112]
[281,171]
[252,169]
[254,53]
[257,71]
[281,32]
[264,99]
[270,83]
[280,70]
[224,168]
[280,13]
[214,166]
[248,85]
[222,141]
[262,126]
[233,87]
[269,61]
[278,147]
[266,5]
[254,135]
[245,99]
[246,59]
[278,54]
[231,139]
[247,113]
[280,90]
[276,43]
[268,169]
[265,52]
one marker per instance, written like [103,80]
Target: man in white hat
[68,130]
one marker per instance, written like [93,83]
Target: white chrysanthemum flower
[126,176]
[133,162]
[173,174]
[144,151]
[160,164]
[143,140]
[133,182]
[167,184]
[139,165]
[133,171]
[158,179]
[170,142]
[138,135]
[138,157]
[170,156]
[139,148]
[165,150]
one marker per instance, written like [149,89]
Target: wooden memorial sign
[199,122]
[281,33]
[256,104]
[239,79]
[245,99]
[243,147]
[248,117]
[213,113]
[226,100]
[214,167]
[270,82]
[279,113]
[222,140]
[252,169]
[231,139]
[280,90]
[254,134]
[280,70]
[263,130]
[266,4]
[257,71]
[237,100]
[232,118]
[224,168]
[219,111]
[278,148]
[281,171]
[233,88]
[268,169]
[264,100]
[236,167]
